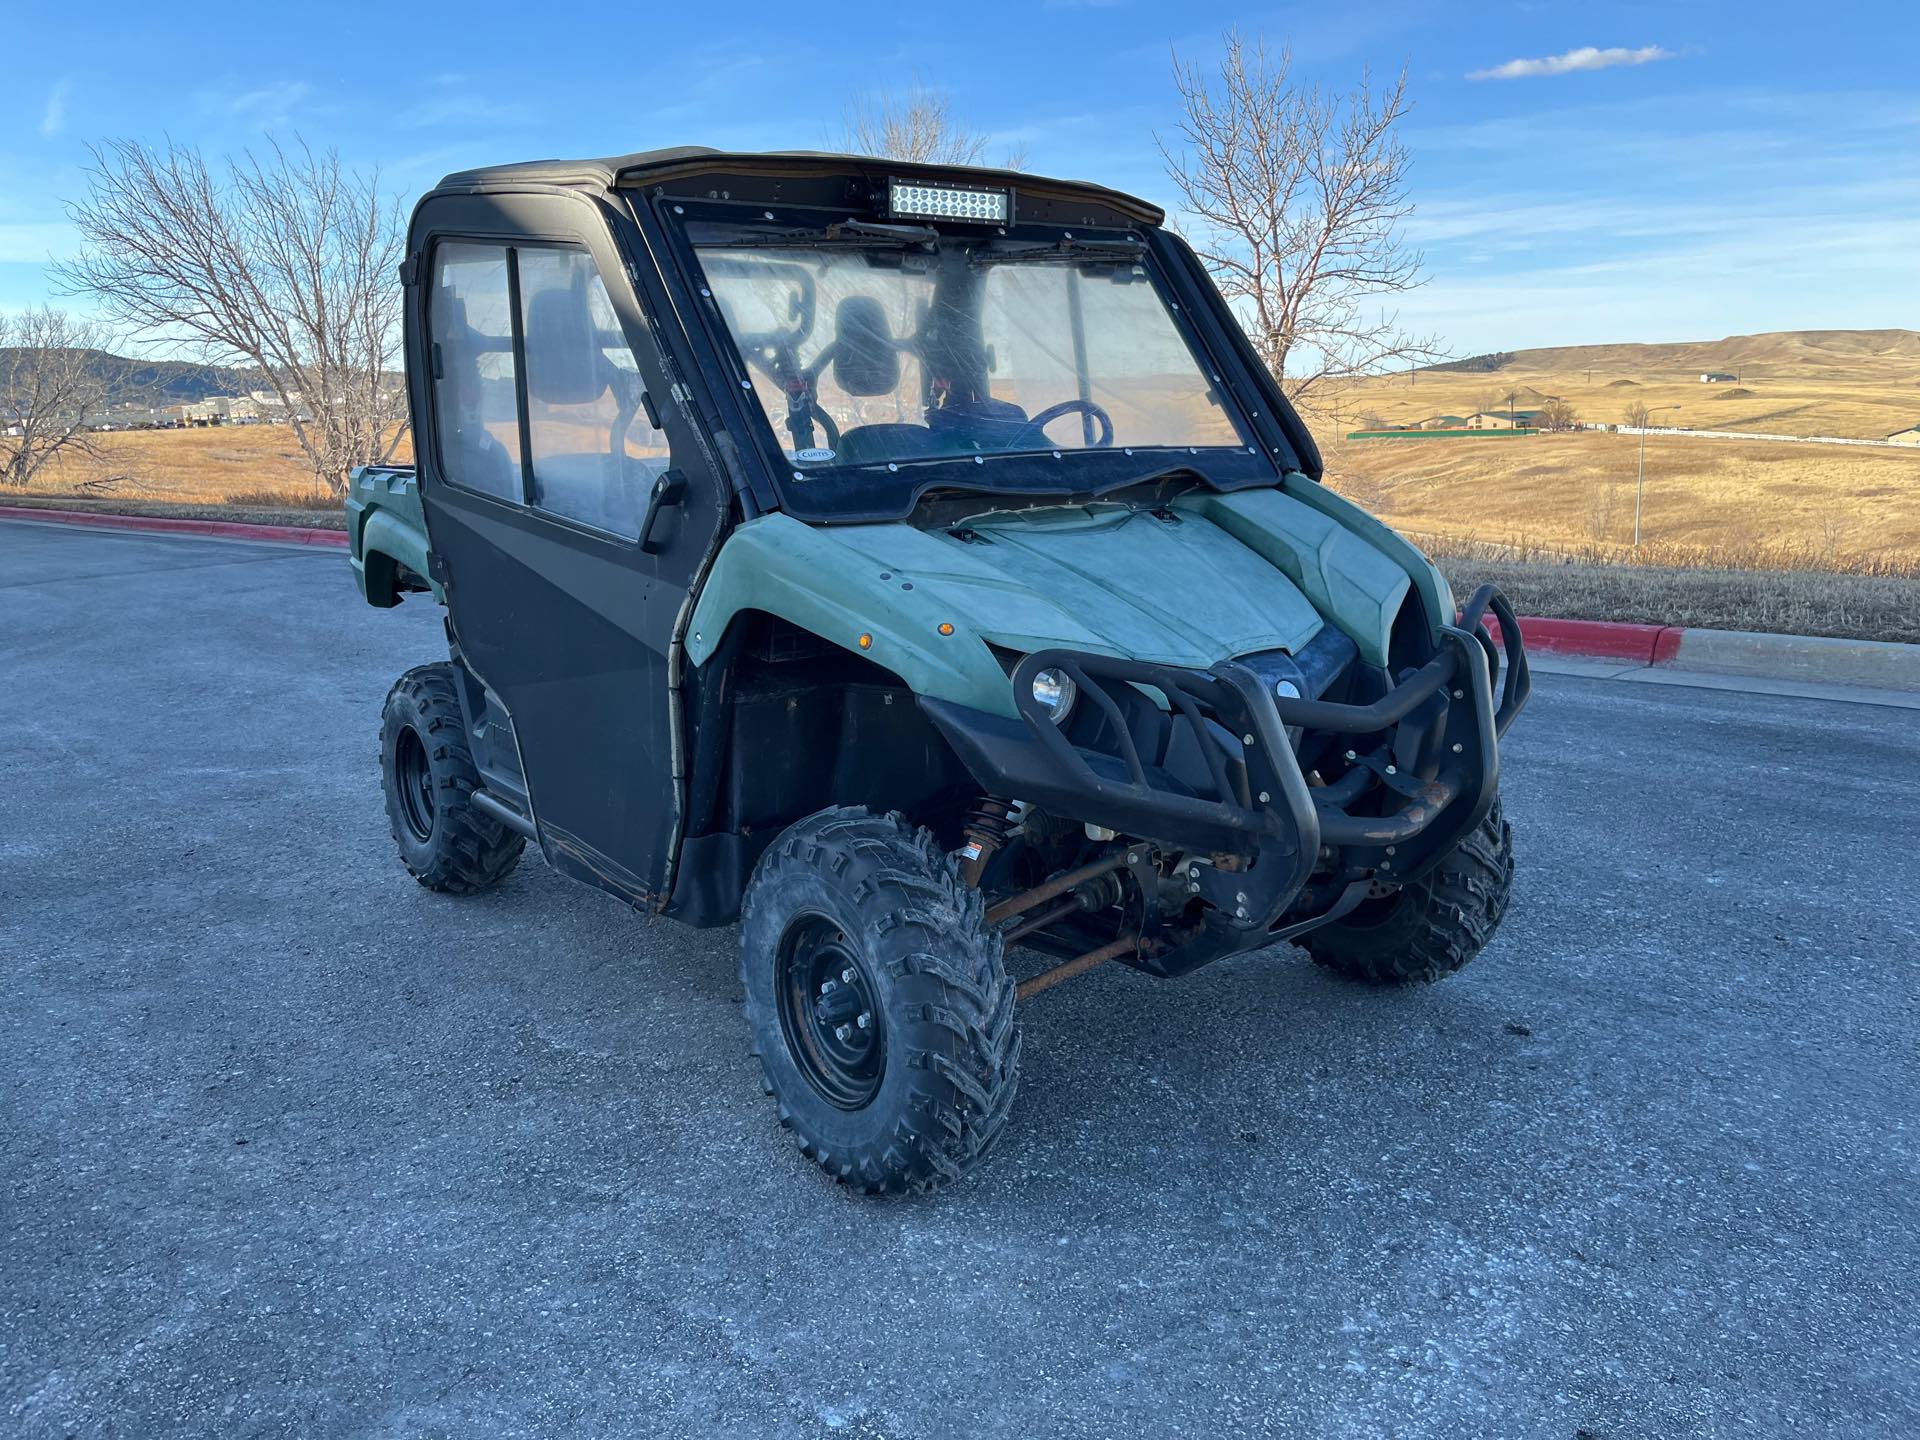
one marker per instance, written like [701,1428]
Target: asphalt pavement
[290,1146]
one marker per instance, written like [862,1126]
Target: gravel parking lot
[292,1146]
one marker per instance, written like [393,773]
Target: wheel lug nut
[865,1020]
[848,975]
[843,1032]
[827,987]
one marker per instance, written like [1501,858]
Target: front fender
[805,576]
[1432,587]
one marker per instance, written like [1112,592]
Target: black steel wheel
[878,1003]
[429,776]
[828,1014]
[413,781]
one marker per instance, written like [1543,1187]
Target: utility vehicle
[909,563]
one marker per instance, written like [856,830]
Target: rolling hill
[1858,384]
[1862,353]
[161,382]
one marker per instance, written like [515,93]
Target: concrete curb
[171,525]
[1878,663]
[1819,659]
[1813,658]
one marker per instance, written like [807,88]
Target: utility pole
[1640,489]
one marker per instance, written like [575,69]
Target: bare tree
[1637,415]
[917,125]
[1603,503]
[1299,197]
[53,390]
[286,264]
[1558,414]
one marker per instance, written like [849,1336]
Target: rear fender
[387,532]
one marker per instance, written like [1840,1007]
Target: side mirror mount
[668,491]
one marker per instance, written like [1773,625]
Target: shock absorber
[985,828]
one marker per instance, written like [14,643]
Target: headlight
[1056,692]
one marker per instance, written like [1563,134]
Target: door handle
[668,490]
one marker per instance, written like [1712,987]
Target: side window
[595,456]
[476,405]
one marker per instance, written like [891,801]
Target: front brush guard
[1261,808]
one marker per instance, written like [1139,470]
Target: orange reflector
[945,628]
[866,642]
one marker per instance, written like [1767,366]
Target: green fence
[1438,434]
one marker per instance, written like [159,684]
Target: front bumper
[1420,767]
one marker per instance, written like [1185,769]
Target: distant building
[1503,420]
[216,410]
[1908,436]
[1443,422]
[1717,377]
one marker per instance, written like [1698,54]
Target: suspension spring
[986,829]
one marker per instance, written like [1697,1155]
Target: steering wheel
[1033,434]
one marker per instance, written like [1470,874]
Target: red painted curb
[166,524]
[1603,639]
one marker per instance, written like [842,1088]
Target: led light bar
[910,199]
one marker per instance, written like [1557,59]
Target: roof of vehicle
[647,166]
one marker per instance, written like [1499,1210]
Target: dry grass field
[1754,503]
[256,468]
[1747,503]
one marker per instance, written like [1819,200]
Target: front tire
[427,766]
[878,1002]
[1429,929]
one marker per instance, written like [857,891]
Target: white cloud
[1587,57]
[53,119]
[271,106]
[432,112]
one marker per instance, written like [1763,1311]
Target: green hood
[1104,578]
[1193,586]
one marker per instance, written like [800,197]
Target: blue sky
[1712,169]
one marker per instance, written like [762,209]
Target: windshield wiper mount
[855,234]
[1067,250]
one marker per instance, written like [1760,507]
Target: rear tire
[429,775]
[851,915]
[1429,929]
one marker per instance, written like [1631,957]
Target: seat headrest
[865,359]
[565,364]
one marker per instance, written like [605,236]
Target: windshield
[891,344]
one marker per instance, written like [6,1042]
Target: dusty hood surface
[1111,579]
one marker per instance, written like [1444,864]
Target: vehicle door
[545,423]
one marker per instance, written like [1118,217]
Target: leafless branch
[1296,200]
[1558,414]
[284,262]
[917,125]
[53,390]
